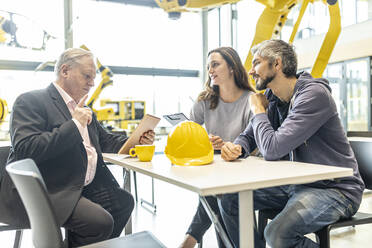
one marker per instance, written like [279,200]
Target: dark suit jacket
[41,128]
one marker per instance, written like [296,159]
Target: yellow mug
[143,152]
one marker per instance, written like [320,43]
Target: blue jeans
[305,210]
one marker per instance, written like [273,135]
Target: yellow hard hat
[188,144]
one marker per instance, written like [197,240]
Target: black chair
[362,151]
[4,152]
[45,230]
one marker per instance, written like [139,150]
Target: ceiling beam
[124,70]
[147,3]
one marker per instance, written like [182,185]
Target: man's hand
[230,151]
[258,103]
[82,114]
[147,138]
[216,141]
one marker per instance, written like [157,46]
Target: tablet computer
[174,119]
[148,122]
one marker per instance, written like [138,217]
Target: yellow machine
[3,110]
[190,5]
[271,21]
[124,114]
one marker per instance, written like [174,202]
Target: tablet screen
[174,119]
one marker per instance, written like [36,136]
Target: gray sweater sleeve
[309,112]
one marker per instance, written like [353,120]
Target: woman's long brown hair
[232,58]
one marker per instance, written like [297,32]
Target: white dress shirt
[91,151]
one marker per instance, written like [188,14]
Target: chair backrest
[363,154]
[4,153]
[31,188]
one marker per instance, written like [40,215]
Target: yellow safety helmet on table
[188,144]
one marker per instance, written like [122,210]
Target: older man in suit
[54,128]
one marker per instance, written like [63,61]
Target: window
[316,18]
[350,82]
[120,35]
[248,14]
[128,35]
[39,33]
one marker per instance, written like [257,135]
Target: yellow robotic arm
[273,18]
[190,5]
[127,113]
[2,32]
[106,73]
[271,21]
[329,41]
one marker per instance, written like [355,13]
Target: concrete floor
[176,207]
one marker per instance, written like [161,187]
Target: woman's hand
[216,141]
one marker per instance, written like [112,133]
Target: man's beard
[264,82]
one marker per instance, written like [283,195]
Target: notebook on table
[148,122]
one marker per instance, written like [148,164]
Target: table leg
[127,187]
[246,225]
[135,185]
[151,204]
[216,222]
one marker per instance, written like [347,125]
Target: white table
[242,176]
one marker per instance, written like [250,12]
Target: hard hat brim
[204,160]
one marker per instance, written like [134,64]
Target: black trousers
[100,214]
[201,221]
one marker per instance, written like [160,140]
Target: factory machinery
[271,21]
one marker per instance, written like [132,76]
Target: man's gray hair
[273,49]
[71,57]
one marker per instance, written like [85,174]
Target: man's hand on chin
[258,103]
